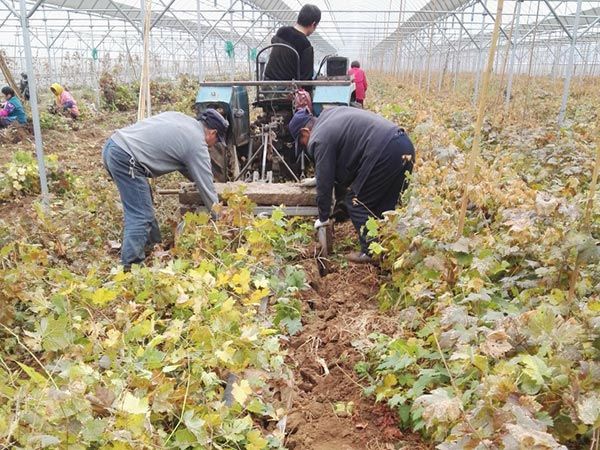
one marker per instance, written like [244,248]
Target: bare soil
[340,311]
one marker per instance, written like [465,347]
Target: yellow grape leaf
[226,355]
[390,380]
[103,296]
[227,305]
[113,337]
[255,441]
[241,391]
[268,331]
[257,296]
[33,374]
[134,405]
[241,281]
[222,278]
[249,333]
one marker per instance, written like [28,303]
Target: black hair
[308,15]
[7,90]
[355,64]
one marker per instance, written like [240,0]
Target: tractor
[259,146]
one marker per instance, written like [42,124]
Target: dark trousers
[383,186]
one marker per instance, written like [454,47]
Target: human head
[8,92]
[308,18]
[355,64]
[215,126]
[301,126]
[57,89]
[24,75]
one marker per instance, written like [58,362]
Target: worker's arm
[325,174]
[7,110]
[199,171]
[365,78]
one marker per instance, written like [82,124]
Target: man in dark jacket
[359,150]
[283,63]
[24,86]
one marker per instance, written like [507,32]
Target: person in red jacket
[360,81]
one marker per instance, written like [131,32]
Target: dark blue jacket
[346,143]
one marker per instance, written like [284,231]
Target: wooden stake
[144,99]
[8,76]
[474,156]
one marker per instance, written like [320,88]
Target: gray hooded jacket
[170,142]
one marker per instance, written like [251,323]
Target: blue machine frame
[324,96]
[236,108]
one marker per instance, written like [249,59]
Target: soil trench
[330,411]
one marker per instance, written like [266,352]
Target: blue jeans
[141,228]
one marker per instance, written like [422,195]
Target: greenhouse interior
[206,242]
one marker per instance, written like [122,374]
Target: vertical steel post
[200,62]
[513,54]
[232,30]
[478,61]
[37,130]
[569,74]
[457,55]
[429,55]
[50,65]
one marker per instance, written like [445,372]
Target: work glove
[308,182]
[319,224]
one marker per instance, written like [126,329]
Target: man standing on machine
[283,62]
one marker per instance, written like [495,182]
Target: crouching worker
[12,111]
[161,144]
[64,102]
[362,151]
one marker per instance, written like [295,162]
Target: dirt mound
[329,409]
[15,133]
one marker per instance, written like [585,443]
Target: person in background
[65,103]
[282,63]
[161,144]
[360,81]
[24,86]
[12,110]
[356,149]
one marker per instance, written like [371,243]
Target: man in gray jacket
[161,144]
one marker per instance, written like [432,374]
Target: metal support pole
[35,7]
[48,48]
[513,54]
[200,63]
[214,25]
[429,51]
[478,62]
[37,130]
[569,74]
[556,16]
[160,16]
[232,31]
